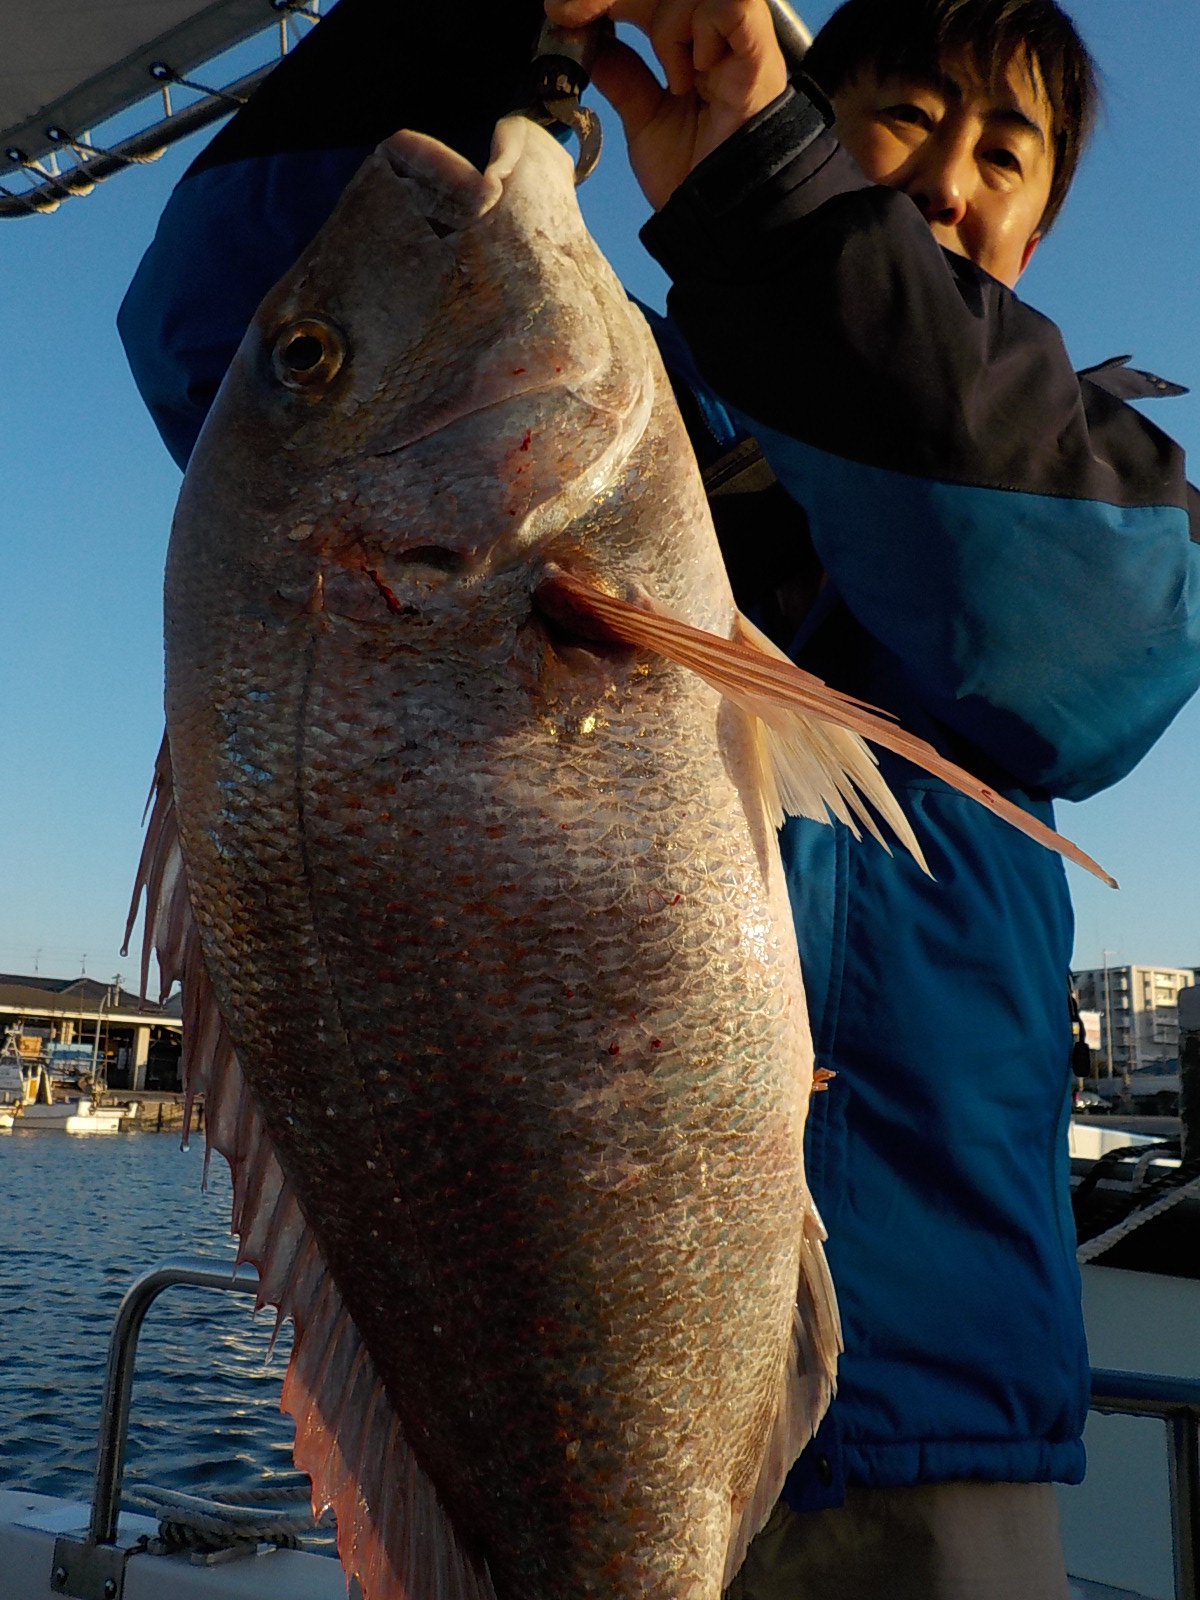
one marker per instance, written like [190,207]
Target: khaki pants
[946,1541]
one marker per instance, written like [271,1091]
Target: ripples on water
[83,1217]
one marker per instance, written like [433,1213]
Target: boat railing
[1176,1403]
[94,1568]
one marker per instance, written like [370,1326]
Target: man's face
[977,158]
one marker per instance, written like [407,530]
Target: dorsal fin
[393,1533]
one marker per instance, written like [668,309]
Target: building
[78,1020]
[1142,1003]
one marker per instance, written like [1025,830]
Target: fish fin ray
[817,769]
[807,1385]
[348,1434]
[742,672]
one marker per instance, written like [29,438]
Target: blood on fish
[393,603]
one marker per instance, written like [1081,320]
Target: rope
[1091,1248]
[240,1516]
[162,73]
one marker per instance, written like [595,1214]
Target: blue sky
[86,492]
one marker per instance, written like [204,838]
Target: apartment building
[1142,1003]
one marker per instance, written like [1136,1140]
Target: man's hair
[917,36]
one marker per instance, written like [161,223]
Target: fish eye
[307,354]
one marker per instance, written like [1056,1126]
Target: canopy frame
[48,160]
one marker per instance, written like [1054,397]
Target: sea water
[80,1218]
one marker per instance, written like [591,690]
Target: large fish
[490,977]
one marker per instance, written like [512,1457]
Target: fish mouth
[453,197]
[455,192]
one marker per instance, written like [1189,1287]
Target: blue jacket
[1009,568]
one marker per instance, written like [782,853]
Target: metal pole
[118,1378]
[793,36]
[96,1039]
[1185,1500]
[1176,1402]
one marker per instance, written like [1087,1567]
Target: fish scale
[444,1213]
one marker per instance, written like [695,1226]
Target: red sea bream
[490,976]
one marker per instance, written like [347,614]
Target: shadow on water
[82,1218]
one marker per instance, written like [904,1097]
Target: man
[961,531]
[969,505]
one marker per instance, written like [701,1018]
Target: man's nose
[942,179]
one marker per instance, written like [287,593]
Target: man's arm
[1021,541]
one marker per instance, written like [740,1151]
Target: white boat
[12,1088]
[71,1116]
[34,1108]
[28,1103]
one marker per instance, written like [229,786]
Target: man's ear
[1029,249]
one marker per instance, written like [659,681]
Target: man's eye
[1008,160]
[909,114]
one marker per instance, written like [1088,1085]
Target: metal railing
[94,164]
[1176,1403]
[118,1377]
[93,1569]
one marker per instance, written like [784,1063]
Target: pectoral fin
[817,771]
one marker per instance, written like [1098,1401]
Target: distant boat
[27,1102]
[71,1116]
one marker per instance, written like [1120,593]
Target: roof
[53,996]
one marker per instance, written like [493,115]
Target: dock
[157,1110]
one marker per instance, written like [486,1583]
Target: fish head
[446,379]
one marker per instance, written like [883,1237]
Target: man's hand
[722,65]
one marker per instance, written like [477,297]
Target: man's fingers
[735,41]
[578,13]
[575,13]
[689,36]
[625,80]
[724,27]
[722,64]
[672,33]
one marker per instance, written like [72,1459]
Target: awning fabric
[73,63]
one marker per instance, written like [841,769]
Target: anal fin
[807,1385]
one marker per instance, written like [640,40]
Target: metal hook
[585,125]
[562,67]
